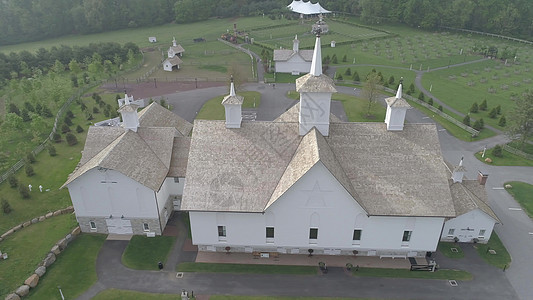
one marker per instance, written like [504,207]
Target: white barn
[293,61]
[130,176]
[475,219]
[308,181]
[170,63]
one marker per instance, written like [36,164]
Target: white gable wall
[105,193]
[317,200]
[467,226]
[294,64]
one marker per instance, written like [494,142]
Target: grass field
[214,110]
[74,270]
[445,248]
[143,253]
[523,193]
[240,268]
[501,259]
[508,159]
[25,250]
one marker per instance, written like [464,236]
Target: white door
[119,226]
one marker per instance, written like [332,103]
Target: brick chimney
[482,178]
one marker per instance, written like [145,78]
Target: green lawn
[27,247]
[214,110]
[523,193]
[445,248]
[404,273]
[508,159]
[242,268]
[501,258]
[74,269]
[143,253]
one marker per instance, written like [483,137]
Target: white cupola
[233,107]
[128,111]
[315,91]
[396,109]
[458,172]
[295,44]
[174,43]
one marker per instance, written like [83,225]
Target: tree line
[25,64]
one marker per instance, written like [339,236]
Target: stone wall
[33,280]
[101,226]
[138,229]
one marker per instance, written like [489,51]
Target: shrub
[430,101]
[71,139]
[440,107]
[334,59]
[483,105]
[30,157]
[12,108]
[355,76]
[474,108]
[344,58]
[88,116]
[24,191]
[13,181]
[83,106]
[79,129]
[52,150]
[29,170]
[96,110]
[25,115]
[499,109]
[493,113]
[339,77]
[497,151]
[391,80]
[502,121]
[67,121]
[46,112]
[348,72]
[466,120]
[163,102]
[56,137]
[421,96]
[65,128]
[6,207]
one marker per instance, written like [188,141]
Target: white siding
[295,63]
[467,226]
[105,193]
[316,200]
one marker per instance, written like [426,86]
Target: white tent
[307,8]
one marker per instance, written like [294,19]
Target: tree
[71,139]
[52,150]
[24,191]
[339,77]
[29,170]
[430,101]
[67,121]
[13,109]
[493,113]
[348,72]
[391,80]
[497,151]
[466,120]
[499,109]
[478,124]
[79,129]
[483,105]
[421,96]
[371,90]
[521,119]
[474,108]
[334,59]
[440,107]
[56,137]
[502,121]
[344,58]
[13,181]
[6,207]
[30,157]
[65,128]
[355,76]
[25,115]
[411,89]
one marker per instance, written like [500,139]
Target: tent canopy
[307,8]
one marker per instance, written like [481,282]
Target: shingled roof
[154,115]
[286,54]
[245,170]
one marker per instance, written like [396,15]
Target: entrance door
[119,226]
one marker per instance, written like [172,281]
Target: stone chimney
[482,178]
[128,111]
[295,44]
[315,91]
[396,109]
[233,107]
[458,172]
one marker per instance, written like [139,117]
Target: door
[119,226]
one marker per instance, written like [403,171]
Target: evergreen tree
[24,191]
[52,150]
[70,114]
[71,139]
[440,107]
[499,109]
[421,96]
[334,59]
[355,76]
[6,207]
[497,151]
[65,128]
[474,108]
[502,121]
[391,80]
[29,170]
[411,89]
[13,181]
[67,121]
[430,101]
[56,137]
[466,120]
[30,157]
[13,109]
[79,129]
[493,113]
[25,115]
[348,72]
[344,58]
[483,105]
[339,77]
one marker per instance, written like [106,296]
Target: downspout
[158,213]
